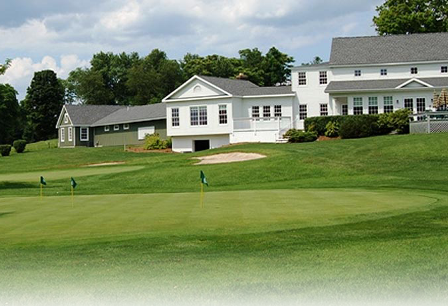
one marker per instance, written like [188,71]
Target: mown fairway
[334,220]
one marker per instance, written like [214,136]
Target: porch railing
[278,124]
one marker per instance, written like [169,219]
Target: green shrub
[19,145]
[399,121]
[169,143]
[5,150]
[332,129]
[299,136]
[319,124]
[154,142]
[360,126]
[289,133]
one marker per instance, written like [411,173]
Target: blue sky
[62,35]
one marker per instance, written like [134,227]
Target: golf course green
[336,221]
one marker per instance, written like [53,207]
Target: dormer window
[444,69]
[414,70]
[357,73]
[383,72]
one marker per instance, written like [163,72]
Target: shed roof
[134,114]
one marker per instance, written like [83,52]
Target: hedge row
[360,125]
[19,146]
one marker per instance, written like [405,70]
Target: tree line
[128,79]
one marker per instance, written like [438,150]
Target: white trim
[268,96]
[386,64]
[80,134]
[116,127]
[108,128]
[58,123]
[195,77]
[414,80]
[125,126]
[131,121]
[62,134]
[70,133]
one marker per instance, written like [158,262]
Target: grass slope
[376,226]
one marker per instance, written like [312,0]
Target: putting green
[54,218]
[61,174]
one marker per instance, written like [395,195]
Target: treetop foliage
[411,16]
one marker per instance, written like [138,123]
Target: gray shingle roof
[246,88]
[389,49]
[134,114]
[89,114]
[97,115]
[347,86]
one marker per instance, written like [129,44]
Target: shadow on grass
[6,213]
[16,185]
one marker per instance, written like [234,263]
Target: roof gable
[86,115]
[414,83]
[198,88]
[389,49]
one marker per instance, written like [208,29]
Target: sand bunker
[228,158]
[105,164]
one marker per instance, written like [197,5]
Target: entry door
[201,145]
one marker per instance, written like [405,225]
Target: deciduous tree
[9,114]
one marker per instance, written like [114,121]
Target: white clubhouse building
[365,75]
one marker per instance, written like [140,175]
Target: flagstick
[202,195]
[72,194]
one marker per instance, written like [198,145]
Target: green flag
[203,178]
[42,181]
[73,183]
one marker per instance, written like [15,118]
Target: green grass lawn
[351,219]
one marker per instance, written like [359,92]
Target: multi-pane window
[303,112]
[70,134]
[277,110]
[202,115]
[198,115]
[344,109]
[175,117]
[357,73]
[373,105]
[357,106]
[323,79]
[409,104]
[84,134]
[255,111]
[414,70]
[266,111]
[62,134]
[324,109]
[388,104]
[383,71]
[302,78]
[222,114]
[421,105]
[444,69]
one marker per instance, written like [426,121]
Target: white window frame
[414,70]
[257,113]
[389,102]
[70,133]
[383,72]
[358,73]
[373,106]
[303,111]
[146,130]
[265,107]
[126,126]
[302,81]
[323,107]
[358,102]
[87,134]
[344,111]
[413,103]
[277,110]
[419,100]
[323,78]
[175,120]
[444,69]
[106,128]
[62,134]
[116,127]
[200,120]
[222,114]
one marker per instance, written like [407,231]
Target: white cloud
[22,70]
